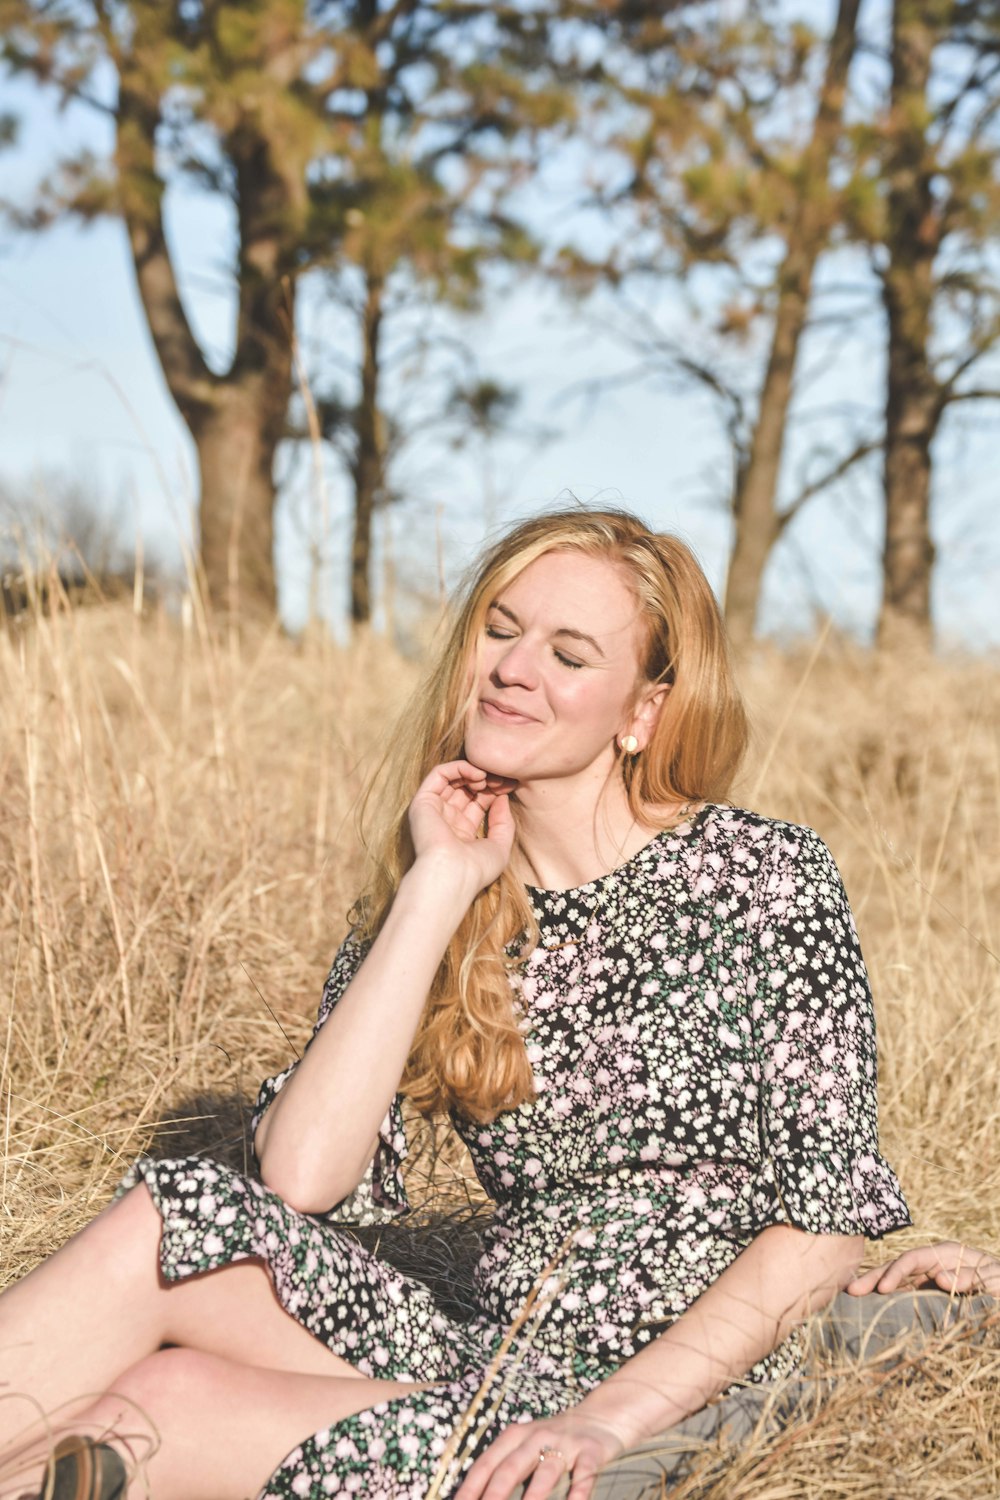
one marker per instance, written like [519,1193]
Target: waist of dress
[705,1187]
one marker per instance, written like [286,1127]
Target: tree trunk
[757,523]
[237,418]
[369,459]
[236,461]
[912,409]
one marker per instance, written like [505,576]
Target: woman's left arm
[782,1276]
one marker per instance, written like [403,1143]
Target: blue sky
[81,393]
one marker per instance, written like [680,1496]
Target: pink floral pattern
[700,1027]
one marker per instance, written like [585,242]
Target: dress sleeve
[380,1195]
[813,1030]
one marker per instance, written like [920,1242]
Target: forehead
[574,591]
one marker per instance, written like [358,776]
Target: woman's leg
[99,1306]
[218,1429]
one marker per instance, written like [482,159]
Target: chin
[497,760]
[496,763]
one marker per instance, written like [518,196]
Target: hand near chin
[949,1265]
[461,818]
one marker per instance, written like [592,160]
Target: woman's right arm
[317,1138]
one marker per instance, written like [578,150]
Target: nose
[517,665]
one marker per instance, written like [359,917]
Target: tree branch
[41,69]
[192,384]
[862,450]
[976,393]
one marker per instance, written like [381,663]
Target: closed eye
[499,633]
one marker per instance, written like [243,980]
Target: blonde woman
[648,1017]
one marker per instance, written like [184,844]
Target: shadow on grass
[439,1246]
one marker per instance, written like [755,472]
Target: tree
[725,191]
[934,224]
[727,186]
[397,266]
[300,115]
[757,520]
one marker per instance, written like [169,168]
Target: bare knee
[163,1381]
[136,1219]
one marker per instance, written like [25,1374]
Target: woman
[648,1016]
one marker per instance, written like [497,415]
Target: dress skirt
[384,1323]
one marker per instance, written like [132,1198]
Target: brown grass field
[178,852]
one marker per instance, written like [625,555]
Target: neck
[572,832]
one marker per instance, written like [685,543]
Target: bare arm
[782,1276]
[317,1138]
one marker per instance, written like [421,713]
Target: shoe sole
[85,1470]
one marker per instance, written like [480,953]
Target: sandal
[81,1469]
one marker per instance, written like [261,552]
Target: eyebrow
[576,635]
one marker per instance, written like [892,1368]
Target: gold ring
[549,1452]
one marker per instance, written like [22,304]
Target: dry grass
[177,854]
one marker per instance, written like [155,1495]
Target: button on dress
[700,1028]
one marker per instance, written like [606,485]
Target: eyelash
[496,634]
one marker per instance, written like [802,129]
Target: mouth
[499,713]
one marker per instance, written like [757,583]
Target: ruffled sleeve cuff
[823,1193]
[380,1196]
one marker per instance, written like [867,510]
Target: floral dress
[700,1028]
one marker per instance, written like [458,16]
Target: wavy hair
[468,1053]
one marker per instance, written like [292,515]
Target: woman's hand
[447,818]
[949,1265]
[540,1454]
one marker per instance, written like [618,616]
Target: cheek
[599,705]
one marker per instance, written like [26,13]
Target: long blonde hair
[468,1053]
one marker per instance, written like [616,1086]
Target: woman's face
[558,672]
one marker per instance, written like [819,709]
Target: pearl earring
[629,744]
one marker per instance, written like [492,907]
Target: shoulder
[752,838]
[766,859]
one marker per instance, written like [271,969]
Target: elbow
[295,1194]
[302,1185]
[298,1192]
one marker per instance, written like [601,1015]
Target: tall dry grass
[178,855]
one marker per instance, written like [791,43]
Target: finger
[582,1487]
[892,1277]
[954,1281]
[529,1465]
[865,1282]
[478,1477]
[585,1471]
[964,1279]
[500,819]
[543,1475]
[579,1465]
[453,773]
[505,784]
[901,1274]
[505,1478]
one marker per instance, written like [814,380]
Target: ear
[646,714]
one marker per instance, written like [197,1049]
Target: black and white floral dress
[700,1028]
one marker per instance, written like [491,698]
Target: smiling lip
[500,714]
